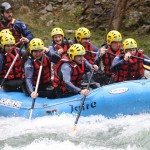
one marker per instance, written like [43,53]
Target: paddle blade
[75,127]
[146,67]
[31,111]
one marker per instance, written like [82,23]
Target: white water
[93,133]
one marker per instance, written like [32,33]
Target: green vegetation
[68,20]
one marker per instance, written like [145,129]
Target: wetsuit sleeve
[96,49]
[49,54]
[51,50]
[88,65]
[22,52]
[53,55]
[66,71]
[23,29]
[1,63]
[29,70]
[117,63]
[98,59]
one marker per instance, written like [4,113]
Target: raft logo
[10,103]
[85,107]
[118,90]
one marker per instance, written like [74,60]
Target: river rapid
[92,133]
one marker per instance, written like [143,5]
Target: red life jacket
[65,47]
[46,71]
[76,74]
[89,55]
[132,69]
[17,71]
[107,60]
[14,30]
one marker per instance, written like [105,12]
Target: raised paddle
[37,85]
[91,52]
[17,43]
[83,100]
[12,65]
[146,67]
[144,59]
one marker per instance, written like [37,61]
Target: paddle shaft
[36,87]
[17,43]
[11,65]
[91,52]
[83,100]
[148,60]
[147,67]
[97,52]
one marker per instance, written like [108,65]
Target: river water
[92,133]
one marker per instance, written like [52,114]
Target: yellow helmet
[82,33]
[7,39]
[129,44]
[36,44]
[5,31]
[113,36]
[56,31]
[75,50]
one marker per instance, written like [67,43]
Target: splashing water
[93,133]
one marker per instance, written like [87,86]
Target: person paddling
[32,65]
[60,44]
[69,72]
[18,28]
[82,36]
[108,52]
[129,67]
[8,54]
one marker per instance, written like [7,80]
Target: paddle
[83,99]
[12,65]
[144,59]
[91,52]
[37,85]
[146,67]
[17,43]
